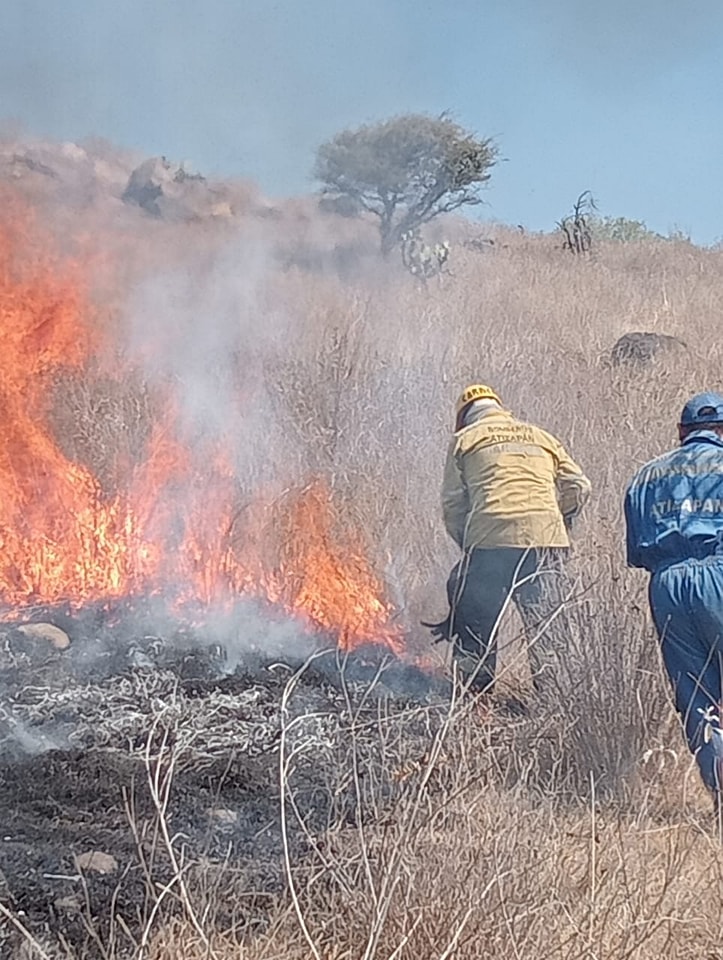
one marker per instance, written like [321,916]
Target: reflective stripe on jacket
[509,484]
[674,504]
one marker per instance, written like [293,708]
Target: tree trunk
[389,237]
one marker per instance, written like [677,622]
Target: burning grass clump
[105,424]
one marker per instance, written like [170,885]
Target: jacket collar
[484,414]
[703,436]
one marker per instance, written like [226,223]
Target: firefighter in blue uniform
[674,519]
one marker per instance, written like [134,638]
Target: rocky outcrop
[167,191]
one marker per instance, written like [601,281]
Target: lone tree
[406,170]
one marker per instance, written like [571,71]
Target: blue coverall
[674,517]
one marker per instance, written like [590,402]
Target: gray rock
[47,632]
[96,861]
[166,191]
[642,348]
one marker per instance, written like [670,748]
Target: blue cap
[702,408]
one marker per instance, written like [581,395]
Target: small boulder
[68,904]
[642,347]
[46,631]
[222,817]
[96,861]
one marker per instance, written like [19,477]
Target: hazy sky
[622,97]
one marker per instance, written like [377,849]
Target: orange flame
[63,537]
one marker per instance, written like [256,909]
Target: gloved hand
[442,630]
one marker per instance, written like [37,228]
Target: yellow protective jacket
[509,484]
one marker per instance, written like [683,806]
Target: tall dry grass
[579,831]
[474,856]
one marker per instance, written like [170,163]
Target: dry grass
[581,831]
[465,867]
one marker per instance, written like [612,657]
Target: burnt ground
[84,732]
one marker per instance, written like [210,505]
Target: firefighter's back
[510,470]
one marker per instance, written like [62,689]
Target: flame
[335,585]
[69,535]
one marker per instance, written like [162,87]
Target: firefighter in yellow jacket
[509,495]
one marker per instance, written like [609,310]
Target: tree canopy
[406,170]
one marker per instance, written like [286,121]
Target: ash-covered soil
[164,757]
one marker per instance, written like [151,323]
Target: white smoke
[205,327]
[15,735]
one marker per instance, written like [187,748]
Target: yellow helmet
[476,391]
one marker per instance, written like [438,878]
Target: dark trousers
[478,589]
[686,600]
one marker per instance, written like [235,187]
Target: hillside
[209,395]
